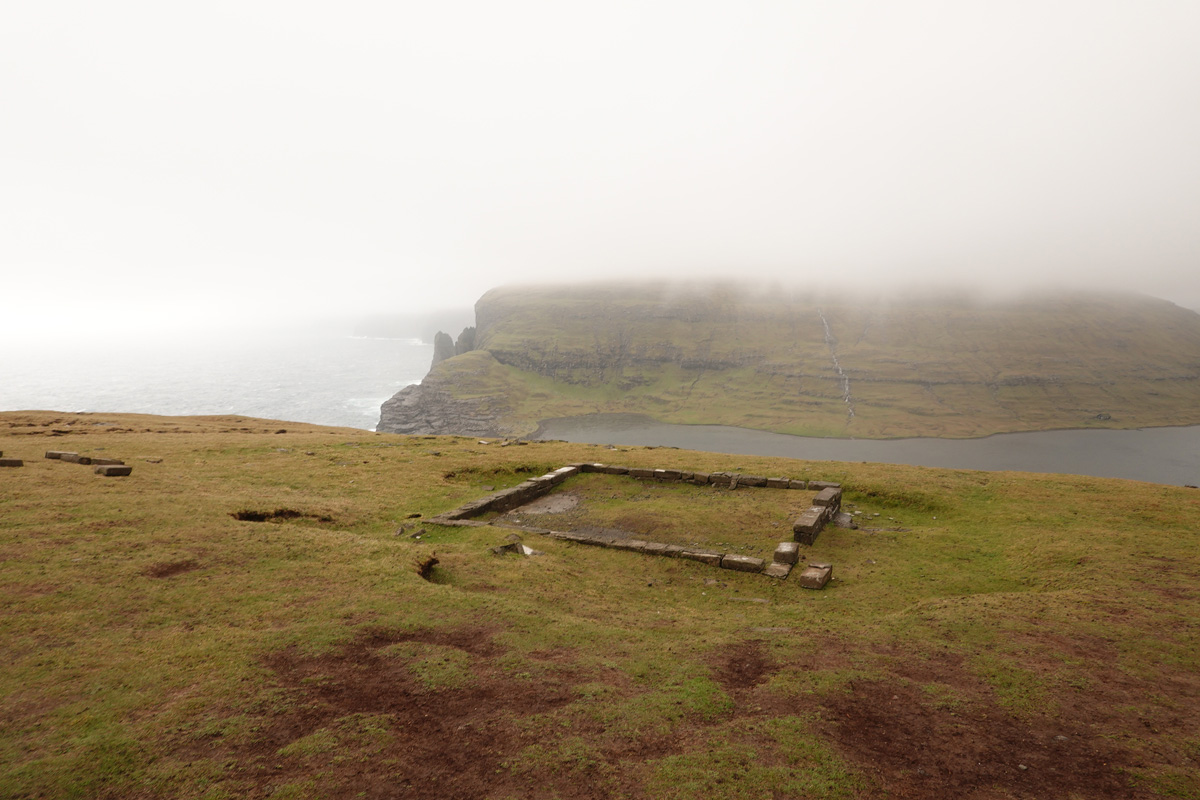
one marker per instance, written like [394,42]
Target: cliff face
[429,408]
[803,362]
[437,405]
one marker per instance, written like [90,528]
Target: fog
[168,165]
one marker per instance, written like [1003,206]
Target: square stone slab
[815,576]
[787,553]
[829,497]
[809,524]
[710,557]
[777,569]
[742,563]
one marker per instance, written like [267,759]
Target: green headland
[813,362]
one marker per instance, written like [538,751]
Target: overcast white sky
[162,162]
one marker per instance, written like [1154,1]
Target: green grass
[749,520]
[156,647]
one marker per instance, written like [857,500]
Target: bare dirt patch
[425,742]
[743,666]
[920,744]
[278,515]
[550,504]
[166,569]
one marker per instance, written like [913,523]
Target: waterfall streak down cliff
[832,343]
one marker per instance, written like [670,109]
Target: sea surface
[1155,455]
[327,378]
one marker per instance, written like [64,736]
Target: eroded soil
[358,722]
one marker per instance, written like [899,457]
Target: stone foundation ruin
[805,529]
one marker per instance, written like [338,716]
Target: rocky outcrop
[429,410]
[430,407]
[466,341]
[443,348]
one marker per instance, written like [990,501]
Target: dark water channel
[1155,455]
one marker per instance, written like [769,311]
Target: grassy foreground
[989,635]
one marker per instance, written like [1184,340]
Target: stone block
[672,551]
[787,553]
[797,484]
[11,462]
[561,474]
[637,545]
[113,470]
[741,563]
[613,469]
[843,520]
[777,483]
[99,461]
[815,576]
[526,494]
[829,497]
[58,454]
[655,549]
[809,524]
[710,557]
[700,478]
[573,536]
[75,458]
[641,472]
[666,474]
[752,480]
[819,485]
[777,569]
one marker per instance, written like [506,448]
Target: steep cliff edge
[802,362]
[454,398]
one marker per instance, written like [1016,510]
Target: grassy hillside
[989,635]
[802,362]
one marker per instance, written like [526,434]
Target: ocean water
[321,377]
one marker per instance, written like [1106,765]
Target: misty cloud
[229,160]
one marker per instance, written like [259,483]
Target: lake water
[1156,455]
[325,378]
